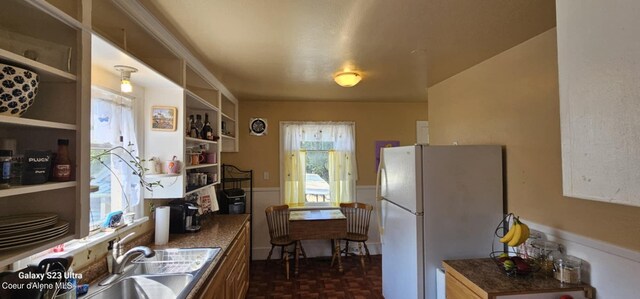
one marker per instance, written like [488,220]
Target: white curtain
[294,165]
[112,125]
[342,164]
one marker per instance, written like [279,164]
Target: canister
[567,269]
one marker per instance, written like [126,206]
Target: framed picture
[163,118]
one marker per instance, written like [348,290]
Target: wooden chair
[358,216]
[278,222]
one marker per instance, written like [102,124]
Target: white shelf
[227,117]
[197,103]
[9,256]
[26,189]
[46,73]
[201,188]
[200,166]
[161,175]
[228,137]
[199,141]
[27,122]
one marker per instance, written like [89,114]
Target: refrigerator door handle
[379,195]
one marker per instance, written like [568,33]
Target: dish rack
[166,262]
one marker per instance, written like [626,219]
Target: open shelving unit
[229,124]
[60,110]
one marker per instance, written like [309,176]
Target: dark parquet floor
[317,280]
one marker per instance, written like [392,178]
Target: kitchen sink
[171,273]
[147,286]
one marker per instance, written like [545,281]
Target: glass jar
[567,269]
[544,252]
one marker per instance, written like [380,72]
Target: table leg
[337,251]
[297,253]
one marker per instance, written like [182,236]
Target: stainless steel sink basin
[156,286]
[171,273]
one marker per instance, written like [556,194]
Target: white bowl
[18,89]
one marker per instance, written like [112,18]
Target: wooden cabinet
[231,279]
[481,279]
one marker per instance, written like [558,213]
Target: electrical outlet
[265,175]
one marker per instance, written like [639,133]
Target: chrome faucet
[121,261]
[118,261]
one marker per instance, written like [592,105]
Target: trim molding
[277,189]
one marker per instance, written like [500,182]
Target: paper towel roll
[162,225]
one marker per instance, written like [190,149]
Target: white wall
[264,197]
[599,74]
[613,271]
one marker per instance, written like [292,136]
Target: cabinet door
[216,287]
[456,290]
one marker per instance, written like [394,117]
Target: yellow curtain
[294,178]
[342,176]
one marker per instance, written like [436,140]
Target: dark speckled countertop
[216,231]
[485,274]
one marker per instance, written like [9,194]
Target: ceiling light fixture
[347,79]
[125,77]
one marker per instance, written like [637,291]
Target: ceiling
[290,49]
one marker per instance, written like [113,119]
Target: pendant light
[125,77]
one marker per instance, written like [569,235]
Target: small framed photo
[163,118]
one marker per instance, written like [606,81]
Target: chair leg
[286,265]
[304,254]
[367,250]
[270,252]
[361,257]
[346,248]
[282,250]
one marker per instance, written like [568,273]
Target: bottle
[207,131]
[189,124]
[62,164]
[199,124]
[193,131]
[5,162]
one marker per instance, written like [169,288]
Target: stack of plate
[24,230]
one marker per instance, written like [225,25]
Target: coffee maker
[184,217]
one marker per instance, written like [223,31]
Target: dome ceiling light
[347,79]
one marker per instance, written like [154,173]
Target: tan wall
[512,99]
[374,121]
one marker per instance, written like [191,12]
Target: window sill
[314,207]
[75,246]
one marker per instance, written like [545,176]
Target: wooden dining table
[328,224]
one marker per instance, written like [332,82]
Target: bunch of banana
[518,233]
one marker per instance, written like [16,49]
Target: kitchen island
[481,279]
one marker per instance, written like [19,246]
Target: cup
[196,158]
[172,166]
[212,158]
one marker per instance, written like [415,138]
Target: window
[114,186]
[319,163]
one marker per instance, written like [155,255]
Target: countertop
[485,274]
[216,231]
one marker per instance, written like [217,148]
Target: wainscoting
[612,270]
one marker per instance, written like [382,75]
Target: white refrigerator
[435,203]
